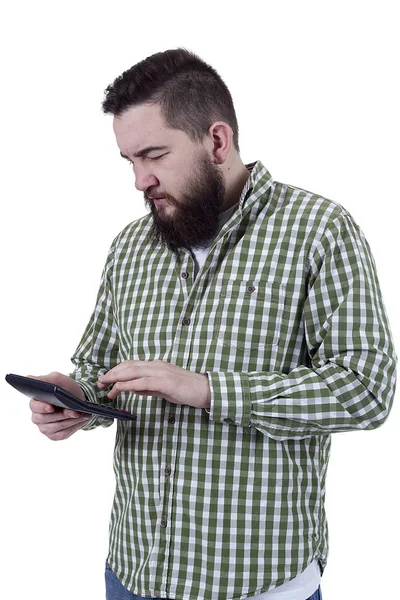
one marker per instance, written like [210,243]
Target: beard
[194,220]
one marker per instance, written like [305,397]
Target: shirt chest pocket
[249,315]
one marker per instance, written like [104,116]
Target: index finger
[125,371]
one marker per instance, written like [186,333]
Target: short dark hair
[190,92]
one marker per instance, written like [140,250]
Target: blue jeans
[116,591]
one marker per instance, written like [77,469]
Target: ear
[220,137]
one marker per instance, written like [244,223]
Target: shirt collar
[257,184]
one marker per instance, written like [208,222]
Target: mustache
[148,198]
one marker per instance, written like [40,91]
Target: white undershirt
[306,583]
[200,254]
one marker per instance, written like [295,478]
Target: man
[242,322]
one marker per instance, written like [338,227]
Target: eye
[156,157]
[132,164]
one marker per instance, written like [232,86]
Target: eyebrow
[144,151]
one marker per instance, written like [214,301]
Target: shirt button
[163,523]
[167,471]
[251,289]
[185,321]
[171,420]
[184,275]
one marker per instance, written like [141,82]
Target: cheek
[176,173]
[172,181]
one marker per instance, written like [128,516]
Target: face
[182,186]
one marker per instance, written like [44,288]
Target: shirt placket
[179,354]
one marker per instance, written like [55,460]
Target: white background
[315,85]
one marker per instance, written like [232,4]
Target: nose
[144,179]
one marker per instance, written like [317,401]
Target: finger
[58,427]
[130,372]
[117,369]
[115,373]
[57,415]
[113,393]
[144,385]
[38,406]
[66,433]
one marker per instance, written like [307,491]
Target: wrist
[207,398]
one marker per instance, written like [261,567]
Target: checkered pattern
[287,319]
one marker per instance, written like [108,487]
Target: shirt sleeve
[98,349]
[348,381]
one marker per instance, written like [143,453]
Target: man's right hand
[55,422]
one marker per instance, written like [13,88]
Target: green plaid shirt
[286,318]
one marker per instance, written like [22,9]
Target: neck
[236,177]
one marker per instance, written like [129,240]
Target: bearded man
[241,320]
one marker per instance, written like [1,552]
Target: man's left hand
[158,378]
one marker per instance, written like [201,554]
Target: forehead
[142,126]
